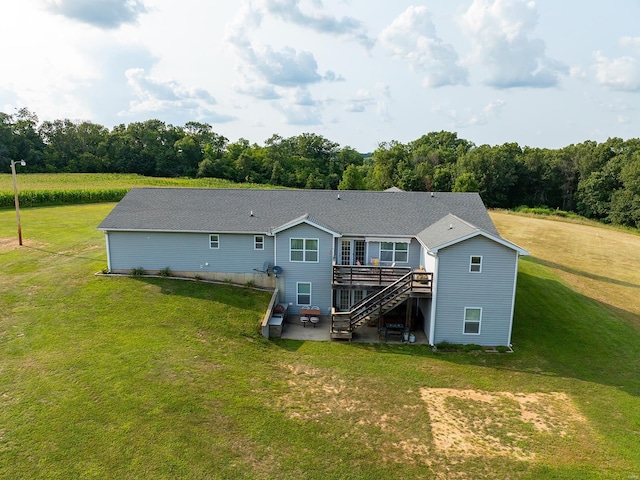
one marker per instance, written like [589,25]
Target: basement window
[303,293]
[472,320]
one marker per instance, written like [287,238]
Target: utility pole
[15,194]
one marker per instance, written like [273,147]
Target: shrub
[471,347]
[547,211]
[138,271]
[445,346]
[165,272]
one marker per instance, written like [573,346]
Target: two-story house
[357,255]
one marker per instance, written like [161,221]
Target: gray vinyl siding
[318,274]
[188,252]
[492,290]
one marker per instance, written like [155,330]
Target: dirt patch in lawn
[11,243]
[7,244]
[440,427]
[477,423]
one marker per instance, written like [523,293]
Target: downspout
[106,236]
[275,249]
[434,299]
[513,300]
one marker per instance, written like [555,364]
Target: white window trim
[217,241]
[256,243]
[298,293]
[471,264]
[304,250]
[464,320]
[394,260]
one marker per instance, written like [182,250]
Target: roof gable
[450,230]
[304,219]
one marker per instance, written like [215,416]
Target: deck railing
[366,276]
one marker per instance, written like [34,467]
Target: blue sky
[544,73]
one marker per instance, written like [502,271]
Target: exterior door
[345,255]
[352,252]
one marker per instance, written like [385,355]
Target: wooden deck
[372,278]
[392,290]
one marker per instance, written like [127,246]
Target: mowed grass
[158,378]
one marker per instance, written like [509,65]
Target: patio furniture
[315,318]
[394,330]
[310,314]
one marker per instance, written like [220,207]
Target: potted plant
[421,277]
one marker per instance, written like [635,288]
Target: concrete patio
[295,330]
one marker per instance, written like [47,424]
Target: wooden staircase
[371,308]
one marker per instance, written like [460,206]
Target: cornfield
[32,198]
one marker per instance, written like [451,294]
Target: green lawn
[131,378]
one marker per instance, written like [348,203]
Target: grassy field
[135,378]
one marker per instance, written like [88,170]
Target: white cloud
[262,67]
[360,102]
[467,117]
[257,89]
[299,108]
[621,73]
[106,14]
[383,104]
[411,37]
[287,67]
[155,95]
[633,42]
[379,99]
[502,34]
[318,20]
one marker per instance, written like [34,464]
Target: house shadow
[235,296]
[558,333]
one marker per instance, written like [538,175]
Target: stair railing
[366,307]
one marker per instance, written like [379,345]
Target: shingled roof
[346,213]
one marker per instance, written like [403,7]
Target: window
[346,299]
[303,250]
[258,242]
[304,293]
[394,252]
[475,264]
[343,300]
[472,319]
[360,252]
[214,240]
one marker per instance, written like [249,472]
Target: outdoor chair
[314,319]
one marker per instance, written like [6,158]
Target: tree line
[596,180]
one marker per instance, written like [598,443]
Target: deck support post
[409,322]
